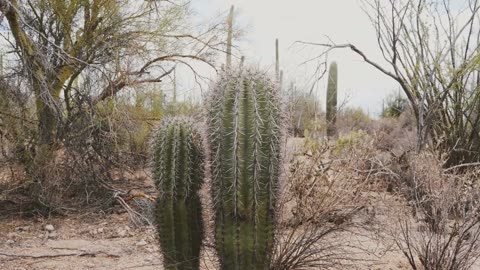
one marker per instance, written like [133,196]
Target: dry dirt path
[80,243]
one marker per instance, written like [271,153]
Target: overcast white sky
[309,20]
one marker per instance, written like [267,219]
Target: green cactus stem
[178,174]
[245,127]
[229,38]
[332,101]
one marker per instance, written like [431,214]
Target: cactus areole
[245,127]
[178,174]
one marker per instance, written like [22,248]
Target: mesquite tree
[71,57]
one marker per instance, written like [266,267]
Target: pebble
[10,242]
[22,228]
[121,233]
[49,228]
[141,243]
[52,235]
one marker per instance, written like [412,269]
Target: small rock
[52,235]
[141,243]
[22,228]
[100,230]
[120,211]
[49,228]
[121,233]
[10,242]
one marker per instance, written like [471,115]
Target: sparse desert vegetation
[108,160]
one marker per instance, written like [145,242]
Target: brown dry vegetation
[76,190]
[363,201]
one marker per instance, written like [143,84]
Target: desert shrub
[349,141]
[184,108]
[130,120]
[94,144]
[396,134]
[352,119]
[321,201]
[440,228]
[305,114]
[394,105]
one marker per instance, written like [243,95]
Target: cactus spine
[332,100]
[245,127]
[178,175]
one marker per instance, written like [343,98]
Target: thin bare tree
[432,49]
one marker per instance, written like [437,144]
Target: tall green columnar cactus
[277,61]
[332,101]
[178,175]
[229,38]
[245,127]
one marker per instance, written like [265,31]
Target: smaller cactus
[178,175]
[332,101]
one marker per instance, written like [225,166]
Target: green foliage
[183,108]
[245,132]
[394,106]
[178,175]
[349,141]
[129,120]
[304,111]
[332,100]
[352,118]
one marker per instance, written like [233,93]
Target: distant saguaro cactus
[229,38]
[332,100]
[245,127]
[178,175]
[277,61]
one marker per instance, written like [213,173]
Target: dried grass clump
[442,230]
[322,190]
[320,204]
